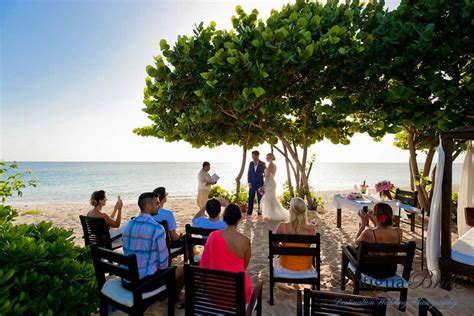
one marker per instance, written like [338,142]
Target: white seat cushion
[463,248]
[281,272]
[394,282]
[113,289]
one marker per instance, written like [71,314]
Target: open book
[215,177]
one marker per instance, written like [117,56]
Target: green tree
[419,76]
[272,79]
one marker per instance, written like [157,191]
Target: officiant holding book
[205,181]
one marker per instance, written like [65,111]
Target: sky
[73,73]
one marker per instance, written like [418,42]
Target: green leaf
[256,43]
[301,22]
[198,93]
[334,40]
[315,20]
[342,51]
[335,30]
[258,91]
[232,60]
[152,72]
[164,45]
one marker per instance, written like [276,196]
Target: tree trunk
[412,177]
[241,172]
[301,171]
[428,161]
[288,175]
[422,196]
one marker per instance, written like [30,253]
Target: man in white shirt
[205,181]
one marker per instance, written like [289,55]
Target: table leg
[338,218]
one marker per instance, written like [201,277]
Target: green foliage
[12,182]
[42,272]
[218,192]
[242,198]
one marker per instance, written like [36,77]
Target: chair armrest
[349,256]
[158,279]
[255,298]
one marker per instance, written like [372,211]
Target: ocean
[73,182]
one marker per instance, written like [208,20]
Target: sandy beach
[456,302]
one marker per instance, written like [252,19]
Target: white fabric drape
[466,191]
[434,225]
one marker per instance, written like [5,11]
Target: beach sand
[458,301]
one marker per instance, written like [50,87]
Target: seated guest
[99,200]
[383,233]
[228,249]
[144,237]
[297,225]
[213,210]
[166,215]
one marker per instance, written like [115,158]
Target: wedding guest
[213,210]
[204,184]
[98,200]
[228,249]
[297,225]
[166,215]
[383,233]
[146,238]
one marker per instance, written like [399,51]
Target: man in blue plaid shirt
[146,238]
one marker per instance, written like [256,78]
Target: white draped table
[342,202]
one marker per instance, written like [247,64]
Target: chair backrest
[275,248]
[96,231]
[407,197]
[328,303]
[165,226]
[109,262]
[214,292]
[369,253]
[195,236]
[425,307]
[469,214]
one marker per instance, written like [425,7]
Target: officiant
[205,182]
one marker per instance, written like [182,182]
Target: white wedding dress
[270,205]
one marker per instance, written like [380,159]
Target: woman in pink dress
[229,250]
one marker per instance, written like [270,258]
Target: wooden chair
[425,307]
[96,232]
[216,292]
[277,274]
[173,252]
[141,293]
[408,202]
[195,236]
[469,214]
[396,253]
[329,303]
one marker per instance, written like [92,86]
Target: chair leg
[259,304]
[272,284]
[356,284]
[403,300]
[104,307]
[412,223]
[344,264]
[171,286]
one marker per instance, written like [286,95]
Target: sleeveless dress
[217,255]
[270,205]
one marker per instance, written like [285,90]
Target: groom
[255,181]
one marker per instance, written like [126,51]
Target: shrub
[242,198]
[41,270]
[218,192]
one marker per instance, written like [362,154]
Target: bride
[270,206]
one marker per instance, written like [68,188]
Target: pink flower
[384,185]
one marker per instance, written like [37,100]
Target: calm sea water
[64,182]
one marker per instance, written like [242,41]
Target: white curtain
[434,225]
[466,191]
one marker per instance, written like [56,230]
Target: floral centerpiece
[383,188]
